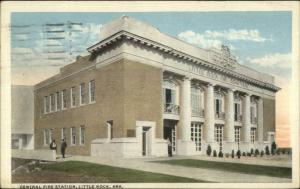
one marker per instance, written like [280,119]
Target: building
[139,87]
[22,117]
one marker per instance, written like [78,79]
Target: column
[185,109]
[260,120]
[185,146]
[246,127]
[229,117]
[209,123]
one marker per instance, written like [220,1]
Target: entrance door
[145,141]
[170,133]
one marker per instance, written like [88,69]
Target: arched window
[169,97]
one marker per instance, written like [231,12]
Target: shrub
[256,152]
[244,153]
[278,152]
[262,153]
[208,151]
[252,151]
[220,154]
[232,153]
[238,154]
[248,154]
[267,150]
[227,155]
[215,153]
[283,151]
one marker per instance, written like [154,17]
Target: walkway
[145,164]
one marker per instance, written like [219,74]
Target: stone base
[185,148]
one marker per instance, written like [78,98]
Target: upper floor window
[64,99]
[169,97]
[73,97]
[196,101]
[52,102]
[58,100]
[82,93]
[92,90]
[73,135]
[82,135]
[46,104]
[237,111]
[253,113]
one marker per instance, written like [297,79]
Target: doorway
[170,134]
[145,141]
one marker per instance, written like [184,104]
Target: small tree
[248,154]
[262,153]
[278,152]
[244,153]
[220,154]
[283,151]
[273,148]
[215,153]
[232,153]
[208,151]
[238,154]
[267,150]
[252,151]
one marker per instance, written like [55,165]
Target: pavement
[147,164]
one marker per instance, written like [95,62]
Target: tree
[208,151]
[273,148]
[267,150]
[232,153]
[215,153]
[238,154]
[262,153]
[220,154]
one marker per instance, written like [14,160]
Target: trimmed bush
[232,153]
[220,154]
[278,152]
[252,151]
[262,153]
[244,153]
[256,152]
[215,153]
[238,154]
[248,154]
[267,150]
[208,151]
[227,155]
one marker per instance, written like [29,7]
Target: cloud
[273,60]
[210,39]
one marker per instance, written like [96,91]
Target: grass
[282,172]
[114,174]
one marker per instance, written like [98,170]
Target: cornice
[177,54]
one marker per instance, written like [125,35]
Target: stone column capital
[187,78]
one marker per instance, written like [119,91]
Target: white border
[8,7]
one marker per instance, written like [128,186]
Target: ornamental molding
[227,61]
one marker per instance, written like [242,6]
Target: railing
[196,113]
[238,118]
[171,108]
[254,120]
[220,115]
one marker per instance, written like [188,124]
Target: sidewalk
[210,175]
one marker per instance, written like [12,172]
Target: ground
[87,169]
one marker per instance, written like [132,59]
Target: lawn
[282,172]
[111,174]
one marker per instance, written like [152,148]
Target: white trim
[80,94]
[71,95]
[90,91]
[71,132]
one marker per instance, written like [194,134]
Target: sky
[43,42]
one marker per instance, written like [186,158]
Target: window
[82,100]
[219,135]
[92,91]
[51,135]
[196,135]
[46,136]
[73,97]
[237,110]
[58,105]
[82,135]
[218,106]
[64,99]
[73,136]
[52,102]
[46,104]
[63,133]
[252,134]
[196,101]
[237,134]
